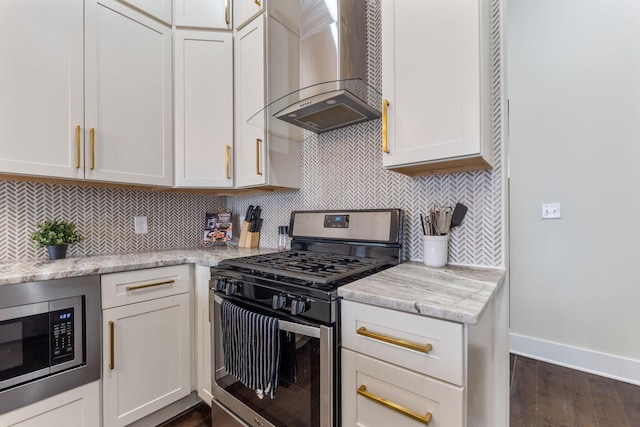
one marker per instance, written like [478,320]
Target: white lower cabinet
[79,407]
[203,334]
[146,344]
[403,369]
[376,393]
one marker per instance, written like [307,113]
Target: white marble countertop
[453,293]
[32,270]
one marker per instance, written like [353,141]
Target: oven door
[305,395]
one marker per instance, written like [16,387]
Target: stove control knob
[232,287]
[220,284]
[278,301]
[298,306]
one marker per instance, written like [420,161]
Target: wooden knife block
[247,238]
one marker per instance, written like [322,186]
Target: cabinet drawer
[143,285]
[368,383]
[444,360]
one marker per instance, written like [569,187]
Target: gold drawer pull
[150,285]
[423,348]
[77,147]
[257,2]
[228,160]
[362,391]
[385,146]
[258,170]
[112,338]
[92,132]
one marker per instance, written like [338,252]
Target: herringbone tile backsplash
[104,216]
[340,170]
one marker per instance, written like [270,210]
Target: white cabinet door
[245,10]
[214,14]
[249,151]
[203,109]
[128,82]
[41,87]
[433,82]
[79,407]
[146,358]
[203,334]
[264,158]
[381,382]
[160,9]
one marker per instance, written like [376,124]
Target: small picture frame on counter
[218,228]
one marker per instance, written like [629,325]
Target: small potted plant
[56,236]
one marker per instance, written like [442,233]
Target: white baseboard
[593,362]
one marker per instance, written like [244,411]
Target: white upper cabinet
[264,157]
[128,83]
[245,10]
[203,109]
[41,87]
[214,14]
[160,9]
[435,83]
[250,98]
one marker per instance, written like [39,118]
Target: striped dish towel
[251,344]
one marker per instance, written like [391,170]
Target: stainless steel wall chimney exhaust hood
[333,70]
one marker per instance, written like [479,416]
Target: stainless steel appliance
[299,288]
[333,68]
[49,338]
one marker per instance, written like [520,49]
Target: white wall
[574,91]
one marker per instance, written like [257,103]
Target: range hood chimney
[333,69]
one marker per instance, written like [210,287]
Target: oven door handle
[284,325]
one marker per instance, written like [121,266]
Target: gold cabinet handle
[423,348]
[257,2]
[362,391]
[112,338]
[385,147]
[150,285]
[228,161]
[226,11]
[92,132]
[258,170]
[78,147]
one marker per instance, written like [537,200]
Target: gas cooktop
[314,267]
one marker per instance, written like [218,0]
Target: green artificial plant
[55,233]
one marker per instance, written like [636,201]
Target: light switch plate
[140,224]
[550,210]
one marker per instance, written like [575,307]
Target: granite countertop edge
[456,293]
[30,270]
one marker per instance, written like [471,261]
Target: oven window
[24,345]
[297,399]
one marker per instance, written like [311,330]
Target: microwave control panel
[62,335]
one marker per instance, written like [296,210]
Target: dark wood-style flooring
[542,395]
[546,395]
[198,416]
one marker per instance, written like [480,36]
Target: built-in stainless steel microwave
[49,338]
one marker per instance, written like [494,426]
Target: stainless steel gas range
[297,288]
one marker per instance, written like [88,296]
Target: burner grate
[310,266]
